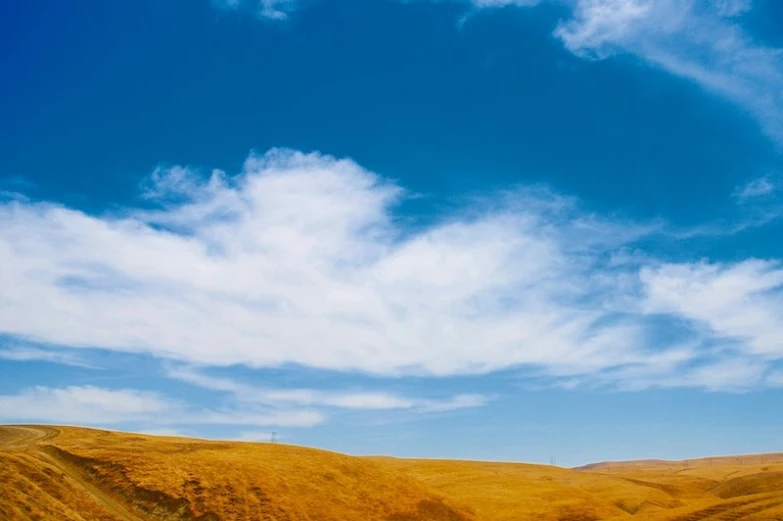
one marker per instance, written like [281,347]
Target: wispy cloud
[701,40]
[756,188]
[33,354]
[741,302]
[694,366]
[356,400]
[732,7]
[265,9]
[300,259]
[82,405]
[89,405]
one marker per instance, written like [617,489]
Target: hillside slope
[713,489]
[83,474]
[74,474]
[510,492]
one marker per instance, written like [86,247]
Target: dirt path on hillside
[22,437]
[27,438]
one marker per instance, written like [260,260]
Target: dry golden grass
[506,492]
[33,489]
[713,489]
[162,478]
[83,474]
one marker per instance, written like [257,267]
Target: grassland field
[77,474]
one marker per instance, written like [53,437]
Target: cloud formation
[700,40]
[703,41]
[82,405]
[34,354]
[90,405]
[301,259]
[363,401]
[741,303]
[756,188]
[265,9]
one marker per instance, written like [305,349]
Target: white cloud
[740,302]
[300,259]
[357,400]
[695,39]
[268,9]
[728,374]
[755,188]
[725,372]
[82,405]
[732,7]
[460,401]
[598,25]
[32,354]
[276,9]
[700,40]
[89,405]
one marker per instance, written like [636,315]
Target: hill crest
[78,474]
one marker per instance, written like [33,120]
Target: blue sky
[496,229]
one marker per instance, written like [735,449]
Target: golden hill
[61,473]
[66,473]
[718,489]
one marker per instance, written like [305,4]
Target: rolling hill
[69,473]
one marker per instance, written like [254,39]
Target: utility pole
[273,439]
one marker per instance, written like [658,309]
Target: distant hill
[69,473]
